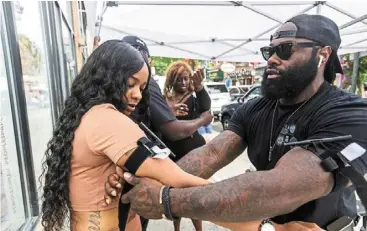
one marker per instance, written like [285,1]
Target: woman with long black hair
[94,134]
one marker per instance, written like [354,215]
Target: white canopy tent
[223,30]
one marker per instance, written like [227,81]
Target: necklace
[271,147]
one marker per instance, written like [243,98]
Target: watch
[266,225]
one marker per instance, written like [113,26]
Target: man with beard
[299,103]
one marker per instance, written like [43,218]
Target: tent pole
[256,11]
[355,72]
[342,11]
[354,32]
[209,3]
[318,9]
[354,43]
[358,48]
[216,40]
[159,43]
[354,21]
[242,48]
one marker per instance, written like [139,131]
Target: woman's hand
[113,186]
[180,109]
[96,41]
[197,79]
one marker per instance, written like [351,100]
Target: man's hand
[144,197]
[180,109]
[198,78]
[207,117]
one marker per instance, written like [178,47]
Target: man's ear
[324,55]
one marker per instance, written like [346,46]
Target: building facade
[40,56]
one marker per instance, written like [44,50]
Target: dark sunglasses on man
[284,50]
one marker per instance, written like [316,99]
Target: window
[65,7]
[35,80]
[68,52]
[12,207]
[244,89]
[234,91]
[256,92]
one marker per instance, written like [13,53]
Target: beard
[292,81]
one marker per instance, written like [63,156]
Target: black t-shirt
[159,111]
[330,112]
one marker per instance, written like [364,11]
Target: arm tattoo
[297,179]
[219,152]
[94,221]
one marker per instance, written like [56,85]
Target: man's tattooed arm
[94,221]
[208,159]
[297,179]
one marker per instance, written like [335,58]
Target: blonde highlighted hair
[175,70]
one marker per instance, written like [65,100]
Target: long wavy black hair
[103,79]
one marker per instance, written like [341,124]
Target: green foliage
[161,64]
[362,73]
[363,70]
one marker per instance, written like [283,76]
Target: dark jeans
[144,223]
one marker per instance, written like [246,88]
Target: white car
[219,95]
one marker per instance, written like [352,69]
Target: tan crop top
[103,136]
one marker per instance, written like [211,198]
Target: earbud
[321,58]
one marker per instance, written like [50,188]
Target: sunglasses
[284,50]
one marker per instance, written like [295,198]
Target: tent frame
[248,5]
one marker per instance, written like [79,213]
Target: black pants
[144,223]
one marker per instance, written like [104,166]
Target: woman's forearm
[168,173]
[165,171]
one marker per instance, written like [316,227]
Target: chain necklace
[271,147]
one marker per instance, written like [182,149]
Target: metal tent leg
[355,72]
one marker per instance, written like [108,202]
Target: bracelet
[165,199]
[266,225]
[160,195]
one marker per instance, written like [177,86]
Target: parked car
[219,95]
[227,110]
[238,91]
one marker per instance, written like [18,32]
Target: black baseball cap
[139,44]
[317,28]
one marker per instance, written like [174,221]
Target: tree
[161,64]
